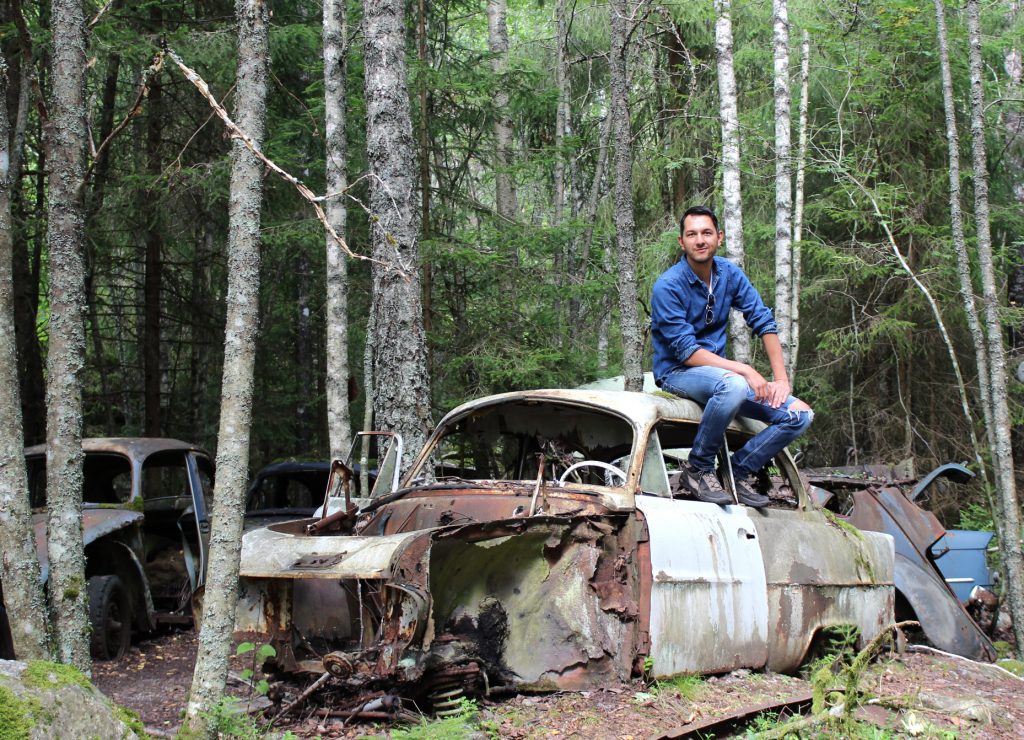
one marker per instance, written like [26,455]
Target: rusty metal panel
[276,552]
[552,607]
[821,575]
[709,608]
[96,523]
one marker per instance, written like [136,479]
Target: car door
[708,600]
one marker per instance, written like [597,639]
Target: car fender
[943,619]
[96,523]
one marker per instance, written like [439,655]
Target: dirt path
[915,695]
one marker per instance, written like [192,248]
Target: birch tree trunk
[732,221]
[241,326]
[65,141]
[956,218]
[335,40]
[629,321]
[497,42]
[19,566]
[402,393]
[561,112]
[784,295]
[798,208]
[1003,451]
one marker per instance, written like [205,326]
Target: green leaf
[266,651]
[245,647]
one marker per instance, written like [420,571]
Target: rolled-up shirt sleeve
[670,322]
[748,302]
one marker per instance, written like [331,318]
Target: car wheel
[110,614]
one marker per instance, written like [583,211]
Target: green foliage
[465,724]
[228,719]
[259,655]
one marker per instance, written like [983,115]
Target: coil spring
[447,700]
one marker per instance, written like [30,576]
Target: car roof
[640,409]
[138,448]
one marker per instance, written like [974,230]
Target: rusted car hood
[275,552]
[96,523]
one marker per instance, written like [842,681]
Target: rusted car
[296,489]
[538,543]
[880,499]
[146,528]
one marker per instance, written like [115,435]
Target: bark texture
[402,394]
[244,212]
[1003,452]
[625,229]
[335,40]
[732,217]
[784,295]
[19,566]
[497,42]
[65,140]
[798,207]
[956,218]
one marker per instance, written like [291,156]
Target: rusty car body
[537,543]
[145,523]
[880,499]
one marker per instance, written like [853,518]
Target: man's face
[700,239]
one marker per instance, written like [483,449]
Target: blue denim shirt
[678,305]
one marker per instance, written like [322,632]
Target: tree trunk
[561,113]
[402,393]
[154,276]
[65,141]
[497,42]
[1003,452]
[241,328]
[19,566]
[956,218]
[32,386]
[629,321]
[732,220]
[335,40]
[784,295]
[304,352]
[798,208]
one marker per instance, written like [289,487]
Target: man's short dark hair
[698,211]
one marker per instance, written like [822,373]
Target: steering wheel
[591,463]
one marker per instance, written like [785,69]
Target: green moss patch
[17,716]
[42,674]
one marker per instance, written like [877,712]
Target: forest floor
[913,695]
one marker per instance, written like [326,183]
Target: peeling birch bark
[732,216]
[1003,450]
[784,295]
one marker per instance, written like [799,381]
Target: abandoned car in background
[538,543]
[879,499]
[295,489]
[146,529]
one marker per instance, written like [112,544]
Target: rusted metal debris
[875,500]
[737,719]
[536,545]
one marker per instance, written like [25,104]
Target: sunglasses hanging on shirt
[709,311]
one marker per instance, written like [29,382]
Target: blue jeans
[725,395]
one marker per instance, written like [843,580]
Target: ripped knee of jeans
[799,405]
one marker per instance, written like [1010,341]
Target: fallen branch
[135,110]
[237,133]
[301,697]
[936,651]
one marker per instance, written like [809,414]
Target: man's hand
[757,383]
[778,392]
